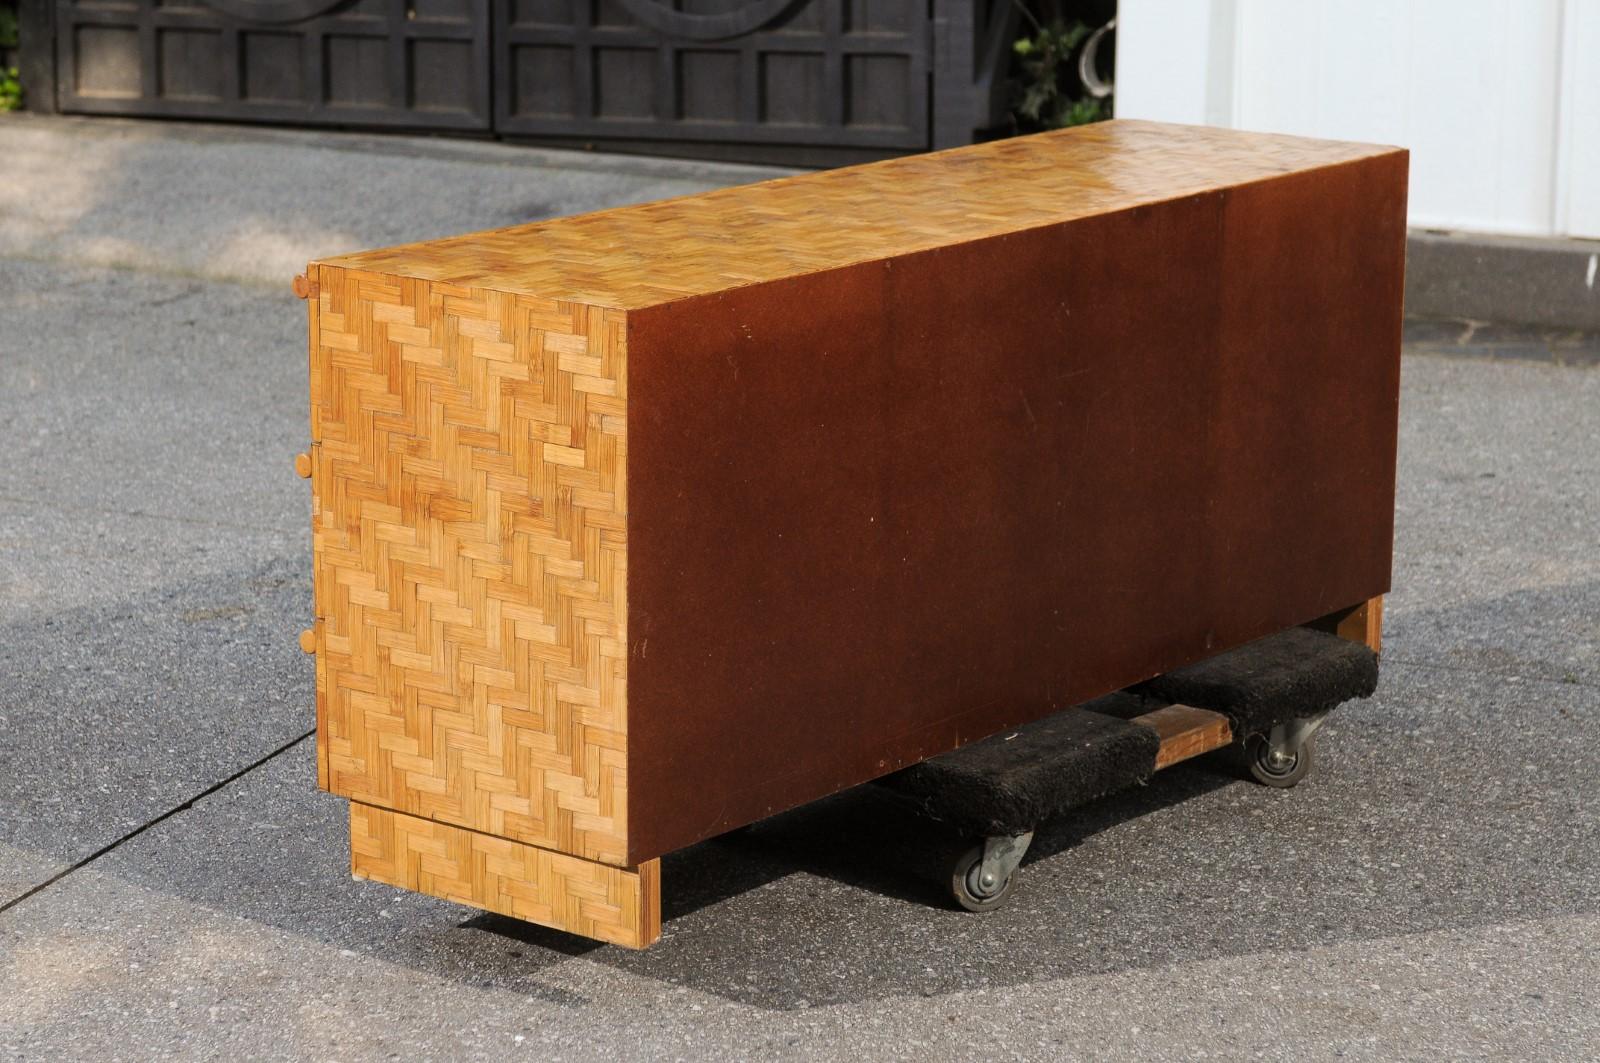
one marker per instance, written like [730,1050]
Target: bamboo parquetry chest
[635,527]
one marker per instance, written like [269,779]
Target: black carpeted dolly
[1263,699]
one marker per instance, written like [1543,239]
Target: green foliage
[10,86]
[1046,93]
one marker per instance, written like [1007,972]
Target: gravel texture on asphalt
[254,206]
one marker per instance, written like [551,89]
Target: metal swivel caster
[1283,757]
[1272,765]
[984,877]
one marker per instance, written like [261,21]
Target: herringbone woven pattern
[608,903]
[470,548]
[639,256]
[470,459]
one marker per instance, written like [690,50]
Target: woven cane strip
[552,889]
[639,256]
[470,550]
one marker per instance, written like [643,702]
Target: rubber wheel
[968,892]
[1270,771]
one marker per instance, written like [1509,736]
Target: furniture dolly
[1263,700]
[632,528]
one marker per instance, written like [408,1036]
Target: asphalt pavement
[173,886]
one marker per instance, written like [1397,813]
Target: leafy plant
[1046,92]
[10,85]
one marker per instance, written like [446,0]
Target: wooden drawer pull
[302,465]
[308,640]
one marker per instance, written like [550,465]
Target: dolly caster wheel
[975,891]
[984,877]
[1273,765]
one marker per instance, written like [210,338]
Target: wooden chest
[635,527]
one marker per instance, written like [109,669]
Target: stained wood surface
[639,256]
[622,906]
[633,528]
[880,511]
[1185,731]
[1362,622]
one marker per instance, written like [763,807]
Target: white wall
[1498,100]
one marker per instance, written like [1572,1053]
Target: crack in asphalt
[287,746]
[163,817]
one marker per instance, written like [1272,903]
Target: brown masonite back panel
[881,510]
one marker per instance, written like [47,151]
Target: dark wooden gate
[791,80]
[421,64]
[834,72]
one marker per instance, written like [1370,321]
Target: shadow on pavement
[1423,815]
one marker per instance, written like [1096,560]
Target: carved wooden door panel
[407,63]
[840,73]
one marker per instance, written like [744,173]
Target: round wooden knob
[308,641]
[303,286]
[302,465]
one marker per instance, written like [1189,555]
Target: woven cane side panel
[522,881]
[471,558]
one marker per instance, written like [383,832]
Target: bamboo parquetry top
[629,258]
